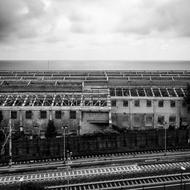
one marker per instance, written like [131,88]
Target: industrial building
[93,101]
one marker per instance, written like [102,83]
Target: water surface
[93,65]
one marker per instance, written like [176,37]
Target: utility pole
[10,143]
[68,166]
[165,138]
[181,181]
[64,131]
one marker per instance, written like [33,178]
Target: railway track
[136,157]
[90,173]
[101,156]
[110,156]
[133,183]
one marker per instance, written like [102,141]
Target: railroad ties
[69,174]
[133,183]
[90,172]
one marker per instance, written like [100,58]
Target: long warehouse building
[93,101]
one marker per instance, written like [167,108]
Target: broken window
[148,103]
[161,120]
[72,114]
[137,103]
[160,103]
[113,103]
[172,103]
[43,114]
[28,115]
[125,103]
[57,114]
[13,114]
[172,119]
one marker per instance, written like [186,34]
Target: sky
[95,29]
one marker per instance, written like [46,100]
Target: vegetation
[2,137]
[1,116]
[186,100]
[187,97]
[31,186]
[51,130]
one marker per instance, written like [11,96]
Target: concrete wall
[129,117]
[85,122]
[136,117]
[121,119]
[93,122]
[133,121]
[73,124]
[38,126]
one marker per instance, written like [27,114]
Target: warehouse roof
[75,81]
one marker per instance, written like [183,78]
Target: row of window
[161,119]
[43,114]
[148,103]
[149,119]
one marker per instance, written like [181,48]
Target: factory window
[137,103]
[172,119]
[148,103]
[125,103]
[172,103]
[113,103]
[43,114]
[148,119]
[160,103]
[72,114]
[136,119]
[161,120]
[28,115]
[184,104]
[1,116]
[57,114]
[13,114]
[188,109]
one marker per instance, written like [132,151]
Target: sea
[56,65]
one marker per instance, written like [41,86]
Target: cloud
[166,18]
[93,25]
[19,18]
[81,21]
[175,16]
[59,19]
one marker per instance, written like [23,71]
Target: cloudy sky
[95,29]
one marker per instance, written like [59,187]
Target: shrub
[51,130]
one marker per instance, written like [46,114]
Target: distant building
[92,101]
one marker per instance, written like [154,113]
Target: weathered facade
[149,112]
[93,101]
